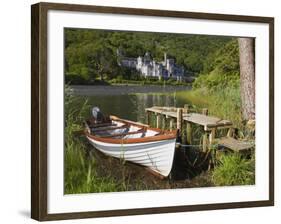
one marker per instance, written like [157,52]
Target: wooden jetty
[236,145]
[210,124]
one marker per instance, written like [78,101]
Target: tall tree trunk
[247,77]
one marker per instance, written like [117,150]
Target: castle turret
[139,63]
[147,57]
[165,59]
[119,56]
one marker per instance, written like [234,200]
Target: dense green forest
[221,70]
[91,54]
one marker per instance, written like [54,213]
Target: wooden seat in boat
[124,134]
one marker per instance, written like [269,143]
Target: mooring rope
[188,145]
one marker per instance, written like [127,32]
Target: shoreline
[123,89]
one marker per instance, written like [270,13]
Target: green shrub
[233,169]
[75,79]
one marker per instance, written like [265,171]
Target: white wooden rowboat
[134,142]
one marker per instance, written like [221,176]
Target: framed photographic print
[138,111]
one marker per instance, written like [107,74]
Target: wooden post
[230,132]
[186,108]
[213,152]
[212,136]
[158,120]
[205,142]
[148,117]
[188,133]
[205,111]
[205,136]
[163,122]
[179,119]
[188,126]
[171,124]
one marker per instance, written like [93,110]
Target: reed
[81,175]
[224,103]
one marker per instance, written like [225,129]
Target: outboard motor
[97,115]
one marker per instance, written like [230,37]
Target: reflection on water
[133,106]
[128,102]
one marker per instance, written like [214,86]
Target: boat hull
[156,155]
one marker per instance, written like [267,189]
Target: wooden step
[234,144]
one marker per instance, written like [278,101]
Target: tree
[247,77]
[102,61]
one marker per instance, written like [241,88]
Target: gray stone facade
[148,67]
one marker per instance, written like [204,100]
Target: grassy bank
[81,175]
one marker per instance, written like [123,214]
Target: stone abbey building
[148,67]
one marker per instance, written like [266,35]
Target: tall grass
[233,169]
[80,174]
[224,103]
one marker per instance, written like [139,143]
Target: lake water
[129,102]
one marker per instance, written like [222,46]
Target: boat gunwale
[163,134]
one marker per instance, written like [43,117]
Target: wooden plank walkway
[208,122]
